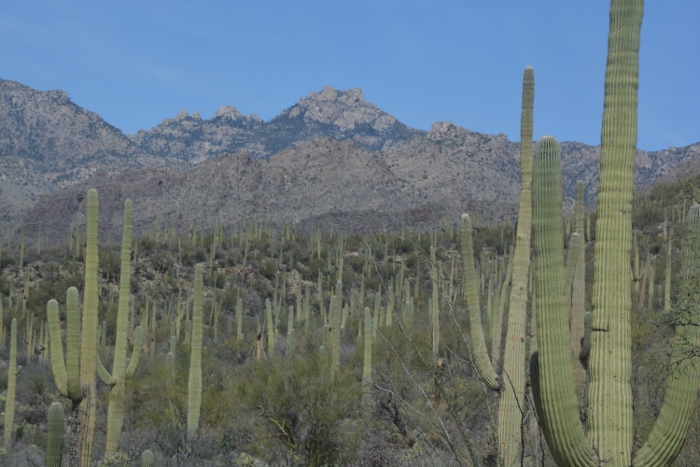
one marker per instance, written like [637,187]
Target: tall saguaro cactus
[120,371]
[552,374]
[610,367]
[194,387]
[75,378]
[510,413]
[11,385]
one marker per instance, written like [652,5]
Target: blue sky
[138,62]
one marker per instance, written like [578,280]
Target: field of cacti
[568,339]
[316,348]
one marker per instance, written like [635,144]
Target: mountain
[319,183]
[47,142]
[352,163]
[342,115]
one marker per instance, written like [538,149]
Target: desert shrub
[297,412]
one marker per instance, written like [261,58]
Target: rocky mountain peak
[343,109]
[446,130]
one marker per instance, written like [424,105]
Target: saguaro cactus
[194,387]
[610,366]
[54,438]
[11,385]
[367,365]
[120,371]
[552,376]
[510,413]
[75,379]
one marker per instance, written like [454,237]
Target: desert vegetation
[465,344]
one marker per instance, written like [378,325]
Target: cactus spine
[120,371]
[54,438]
[512,400]
[11,386]
[194,388]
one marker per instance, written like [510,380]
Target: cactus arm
[104,375]
[555,395]
[479,351]
[58,367]
[75,392]
[120,343]
[668,435]
[135,354]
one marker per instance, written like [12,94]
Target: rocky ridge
[49,144]
[342,115]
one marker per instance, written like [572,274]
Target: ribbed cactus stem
[115,408]
[270,323]
[194,387]
[11,387]
[478,336]
[55,435]
[88,335]
[239,319]
[667,277]
[147,459]
[434,305]
[515,356]
[335,310]
[290,332]
[554,392]
[496,319]
[367,365]
[610,367]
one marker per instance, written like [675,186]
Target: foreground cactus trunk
[610,368]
